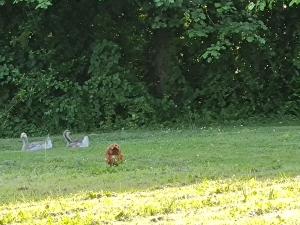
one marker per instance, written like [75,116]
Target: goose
[82,143]
[35,146]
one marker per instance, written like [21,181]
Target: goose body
[35,146]
[82,143]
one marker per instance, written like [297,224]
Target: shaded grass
[153,159]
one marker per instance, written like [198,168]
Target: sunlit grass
[248,201]
[244,174]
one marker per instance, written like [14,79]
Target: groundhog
[114,155]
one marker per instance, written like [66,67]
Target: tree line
[105,64]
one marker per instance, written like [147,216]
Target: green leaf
[217,5]
[262,5]
[158,2]
[250,39]
[251,6]
[294,2]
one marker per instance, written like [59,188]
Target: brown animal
[114,155]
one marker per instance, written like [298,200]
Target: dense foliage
[90,64]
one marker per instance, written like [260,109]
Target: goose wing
[41,145]
[84,143]
[35,146]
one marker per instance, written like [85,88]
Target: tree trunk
[163,60]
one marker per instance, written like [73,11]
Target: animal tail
[85,141]
[48,142]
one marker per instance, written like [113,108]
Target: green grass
[168,174]
[209,202]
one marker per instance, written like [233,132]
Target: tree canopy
[90,64]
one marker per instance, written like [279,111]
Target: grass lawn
[232,175]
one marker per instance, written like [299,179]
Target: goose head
[23,136]
[66,132]
[24,140]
